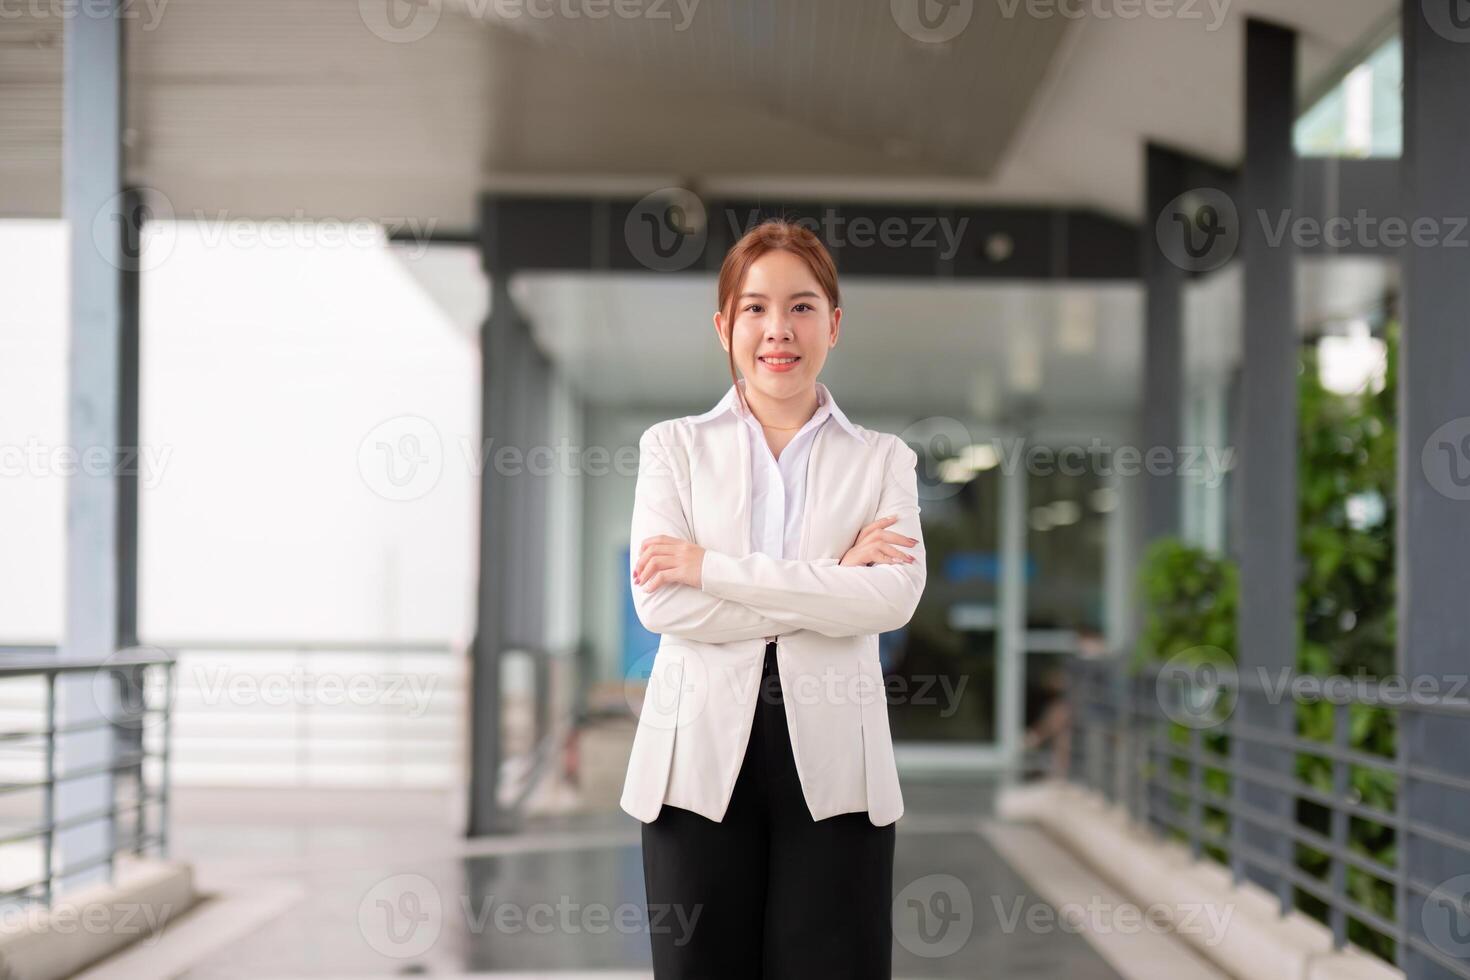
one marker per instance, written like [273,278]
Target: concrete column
[1267,634]
[486,743]
[92,204]
[1163,345]
[129,422]
[1434,481]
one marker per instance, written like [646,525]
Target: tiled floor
[387,888]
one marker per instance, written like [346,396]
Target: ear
[836,328]
[720,331]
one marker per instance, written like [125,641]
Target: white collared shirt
[778,486]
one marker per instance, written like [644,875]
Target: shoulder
[672,432]
[659,433]
[895,453]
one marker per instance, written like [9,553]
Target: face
[784,326]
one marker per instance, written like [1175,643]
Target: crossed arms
[756,595]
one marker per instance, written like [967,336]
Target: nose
[780,328]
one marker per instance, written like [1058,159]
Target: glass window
[1361,116]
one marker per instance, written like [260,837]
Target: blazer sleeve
[827,597]
[658,508]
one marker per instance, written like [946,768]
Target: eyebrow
[801,295]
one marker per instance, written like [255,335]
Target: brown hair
[769,236]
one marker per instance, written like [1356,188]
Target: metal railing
[318,713]
[1223,782]
[112,714]
[359,714]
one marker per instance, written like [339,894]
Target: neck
[786,413]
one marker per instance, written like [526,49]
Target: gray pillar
[1010,695]
[486,743]
[92,206]
[1434,481]
[1163,345]
[538,483]
[129,426]
[1267,635]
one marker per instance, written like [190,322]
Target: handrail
[315,646]
[126,761]
[1131,748]
[18,665]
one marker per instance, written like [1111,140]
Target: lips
[780,363]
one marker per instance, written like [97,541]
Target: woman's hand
[663,560]
[875,545]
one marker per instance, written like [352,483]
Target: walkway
[316,884]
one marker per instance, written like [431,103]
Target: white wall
[289,377]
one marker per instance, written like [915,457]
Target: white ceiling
[295,107]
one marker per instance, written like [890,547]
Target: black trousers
[768,892]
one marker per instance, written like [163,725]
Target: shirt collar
[731,403]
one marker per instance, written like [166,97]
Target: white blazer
[694,484]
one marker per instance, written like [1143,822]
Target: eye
[754,308]
[803,307]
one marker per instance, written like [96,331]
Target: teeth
[779,360]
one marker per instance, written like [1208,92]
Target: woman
[772,541]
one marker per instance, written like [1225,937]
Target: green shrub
[1345,600]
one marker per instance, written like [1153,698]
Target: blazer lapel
[813,488]
[742,438]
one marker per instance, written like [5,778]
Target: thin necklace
[784,428]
